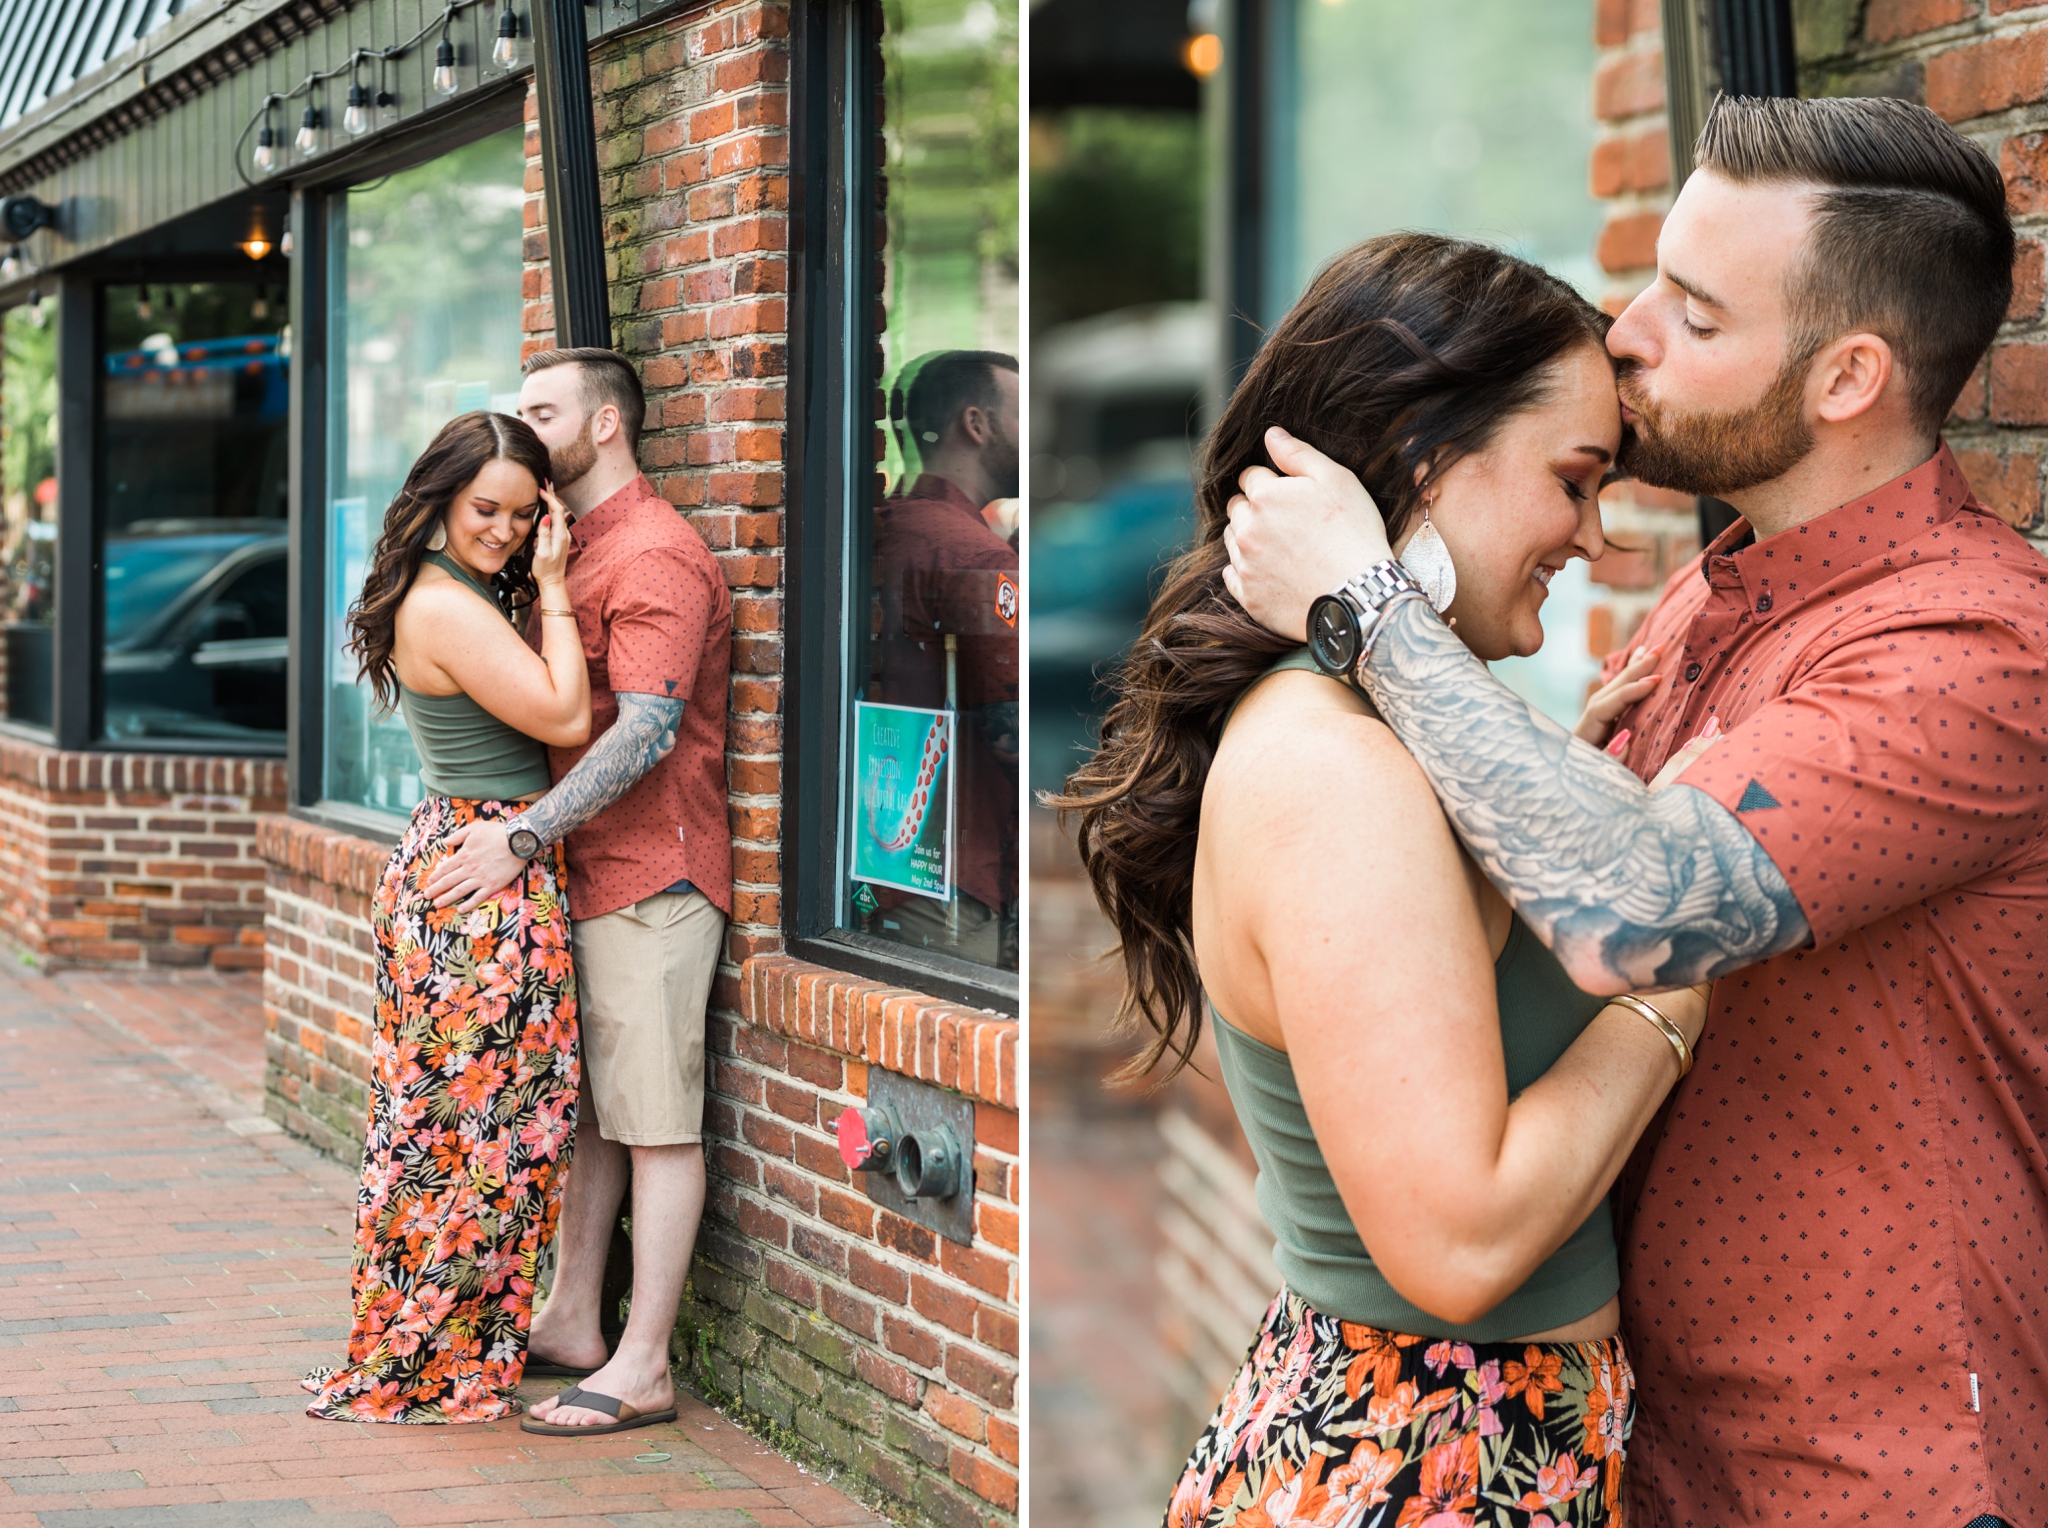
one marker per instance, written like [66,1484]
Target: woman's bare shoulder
[1304,732]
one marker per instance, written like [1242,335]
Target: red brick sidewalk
[170,1264]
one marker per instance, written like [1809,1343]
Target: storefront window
[28,499]
[933,794]
[1466,117]
[194,406]
[425,325]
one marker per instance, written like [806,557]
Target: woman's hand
[1294,537]
[1636,680]
[1681,761]
[551,542]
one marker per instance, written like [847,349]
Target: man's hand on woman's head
[1298,533]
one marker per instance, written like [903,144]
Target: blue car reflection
[197,630]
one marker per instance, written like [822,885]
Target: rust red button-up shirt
[938,569]
[656,619]
[1835,1240]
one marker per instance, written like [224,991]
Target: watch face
[1332,635]
[524,842]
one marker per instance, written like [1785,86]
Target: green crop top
[1317,1248]
[464,750]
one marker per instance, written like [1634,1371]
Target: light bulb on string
[144,309]
[505,51]
[284,240]
[35,306]
[444,67]
[11,266]
[260,308]
[308,140]
[356,120]
[265,157]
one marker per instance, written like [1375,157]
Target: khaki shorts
[643,974]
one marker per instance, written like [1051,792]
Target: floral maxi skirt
[1347,1426]
[472,1110]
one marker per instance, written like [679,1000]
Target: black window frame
[833,234]
[312,206]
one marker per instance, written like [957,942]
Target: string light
[260,308]
[11,266]
[505,51]
[268,154]
[144,309]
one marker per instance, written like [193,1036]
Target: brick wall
[319,997]
[133,860]
[888,1350]
[1652,530]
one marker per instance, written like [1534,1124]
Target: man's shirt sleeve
[1904,763]
[656,623]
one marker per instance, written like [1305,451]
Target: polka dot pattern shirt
[1835,1240]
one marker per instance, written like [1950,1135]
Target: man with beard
[1830,1283]
[642,809]
[946,585]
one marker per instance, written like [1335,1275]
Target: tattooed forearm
[640,739]
[1629,889]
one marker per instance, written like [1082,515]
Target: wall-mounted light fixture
[21,216]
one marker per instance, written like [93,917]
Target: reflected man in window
[947,595]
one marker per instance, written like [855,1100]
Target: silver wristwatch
[1344,624]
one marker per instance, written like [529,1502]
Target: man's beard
[1718,454]
[573,460]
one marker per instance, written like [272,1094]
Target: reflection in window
[934,798]
[194,408]
[425,326]
[28,500]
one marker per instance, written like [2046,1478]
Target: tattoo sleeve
[640,739]
[1629,889]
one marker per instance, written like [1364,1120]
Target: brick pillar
[1651,530]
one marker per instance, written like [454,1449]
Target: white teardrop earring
[1428,562]
[439,539]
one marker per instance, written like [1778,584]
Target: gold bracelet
[545,611]
[1664,1026]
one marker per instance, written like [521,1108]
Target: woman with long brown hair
[475,1063]
[1436,1111]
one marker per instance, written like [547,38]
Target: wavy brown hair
[450,464]
[1404,356]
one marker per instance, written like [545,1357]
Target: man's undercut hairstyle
[944,383]
[1911,238]
[603,376]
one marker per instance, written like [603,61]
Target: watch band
[1366,599]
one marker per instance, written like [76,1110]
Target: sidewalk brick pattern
[170,1263]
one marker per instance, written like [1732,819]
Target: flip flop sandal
[592,1400]
[541,1368]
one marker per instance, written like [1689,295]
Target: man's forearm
[1630,889]
[640,739]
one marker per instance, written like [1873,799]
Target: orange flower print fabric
[1338,1425]
[472,1111]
